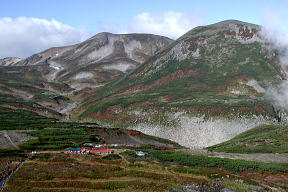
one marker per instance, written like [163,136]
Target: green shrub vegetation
[48,132]
[262,139]
[111,157]
[204,161]
[12,100]
[20,119]
[215,71]
[11,153]
[57,138]
[124,102]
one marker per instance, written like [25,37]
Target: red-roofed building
[100,151]
[87,151]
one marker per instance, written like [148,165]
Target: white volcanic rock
[123,67]
[83,76]
[197,132]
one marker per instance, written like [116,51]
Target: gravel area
[10,139]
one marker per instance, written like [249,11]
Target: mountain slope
[49,82]
[23,87]
[105,56]
[202,89]
[8,61]
[262,139]
[95,61]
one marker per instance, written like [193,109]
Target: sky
[30,26]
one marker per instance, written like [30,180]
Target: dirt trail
[111,179]
[261,157]
[9,139]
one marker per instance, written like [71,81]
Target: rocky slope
[103,58]
[95,61]
[8,61]
[46,82]
[202,89]
[23,87]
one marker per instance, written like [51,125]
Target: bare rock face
[107,56]
[39,58]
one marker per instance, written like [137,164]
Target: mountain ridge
[215,76]
[62,72]
[211,78]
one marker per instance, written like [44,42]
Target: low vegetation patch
[262,139]
[204,161]
[57,139]
[19,119]
[112,157]
[11,153]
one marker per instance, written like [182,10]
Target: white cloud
[110,26]
[276,35]
[24,36]
[278,41]
[171,24]
[275,19]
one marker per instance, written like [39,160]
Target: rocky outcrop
[8,61]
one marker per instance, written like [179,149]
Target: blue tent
[74,149]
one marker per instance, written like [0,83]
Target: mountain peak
[227,26]
[232,21]
[212,71]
